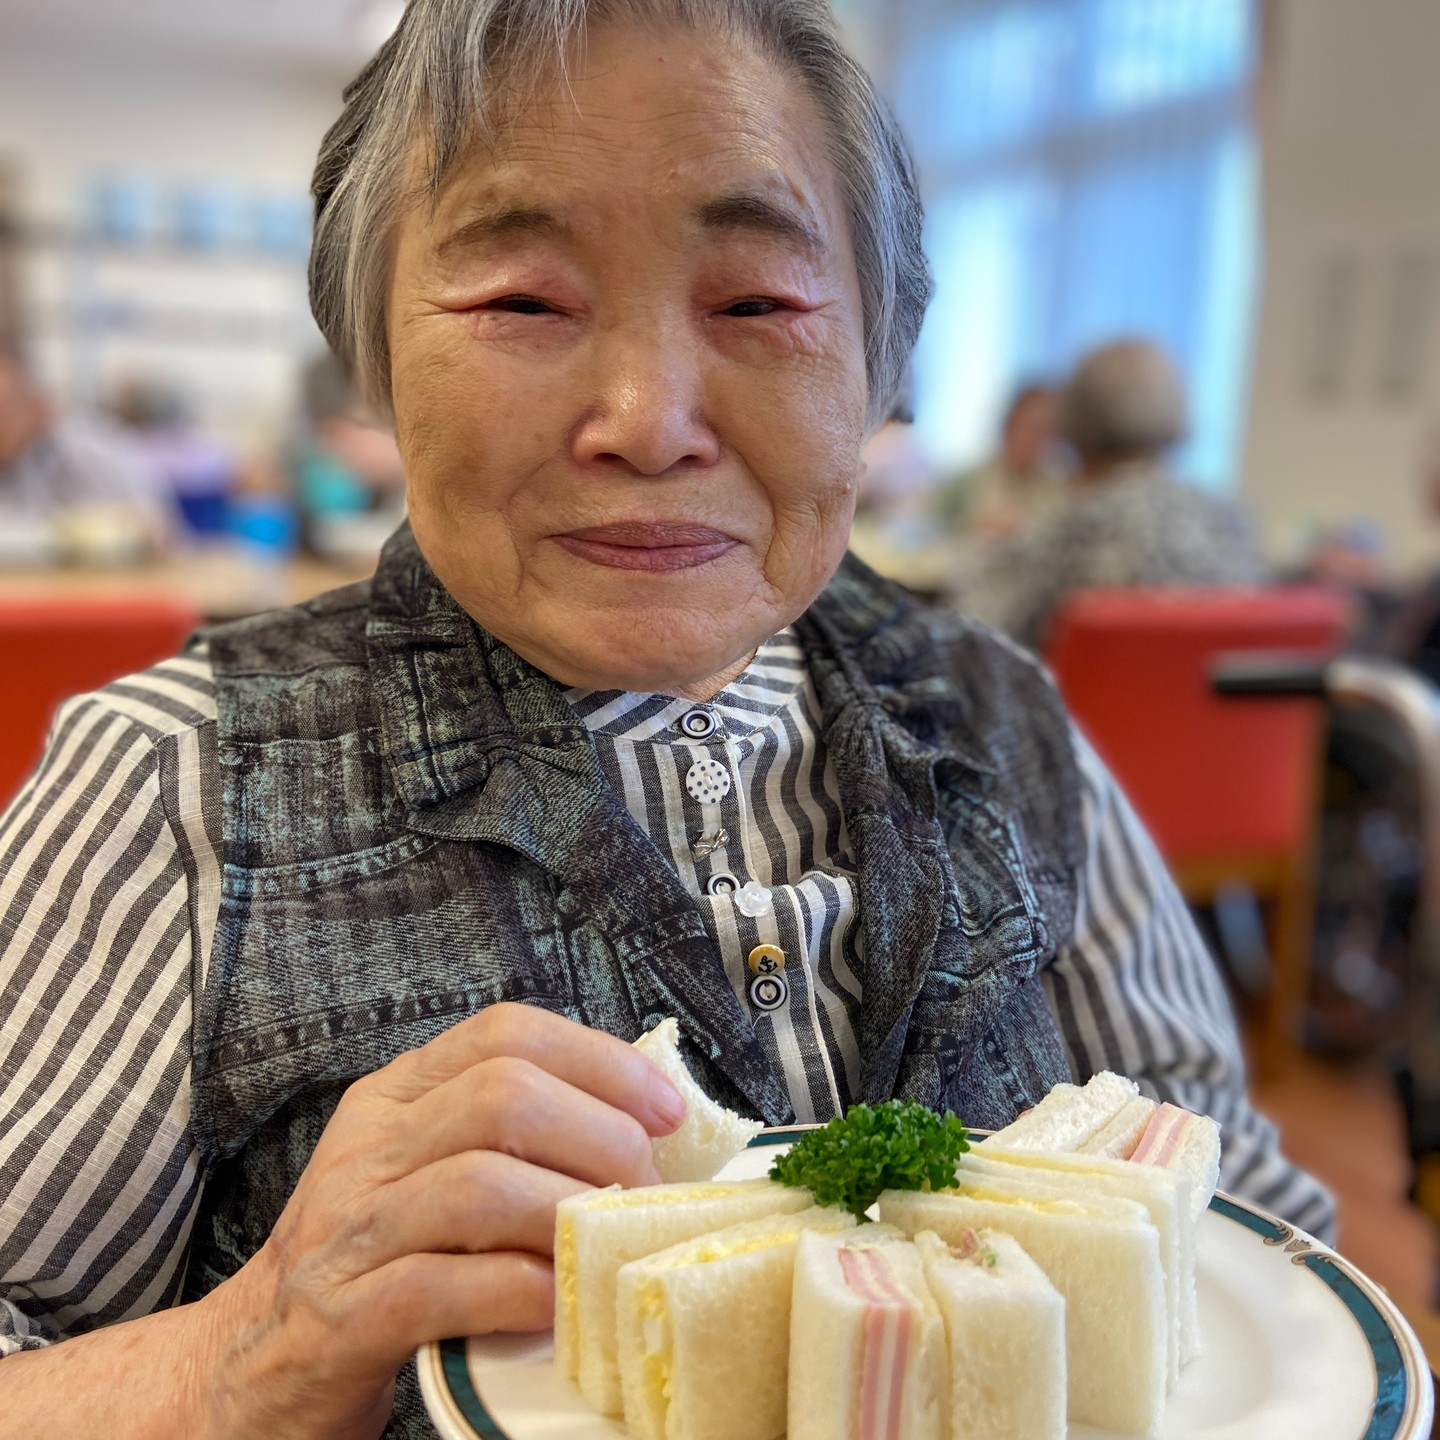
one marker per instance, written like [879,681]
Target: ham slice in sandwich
[867,1344]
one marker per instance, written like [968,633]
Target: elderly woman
[323,942]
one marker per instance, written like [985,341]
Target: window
[1089,172]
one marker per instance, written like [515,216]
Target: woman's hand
[427,1210]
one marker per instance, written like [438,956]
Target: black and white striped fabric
[109,892]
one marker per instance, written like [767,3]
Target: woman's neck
[708,689]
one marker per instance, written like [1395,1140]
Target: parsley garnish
[899,1145]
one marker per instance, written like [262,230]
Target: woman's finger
[590,1060]
[421,1298]
[519,1109]
[469,1203]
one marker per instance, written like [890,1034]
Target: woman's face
[628,366]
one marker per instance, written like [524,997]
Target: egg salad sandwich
[1108,1116]
[867,1342]
[710,1136]
[1102,1253]
[601,1230]
[704,1330]
[1165,1196]
[1004,1335]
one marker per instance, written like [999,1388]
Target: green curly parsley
[899,1145]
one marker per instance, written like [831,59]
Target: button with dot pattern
[707,781]
[698,724]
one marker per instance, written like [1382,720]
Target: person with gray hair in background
[1126,520]
[323,943]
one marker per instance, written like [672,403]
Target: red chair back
[52,649]
[1208,775]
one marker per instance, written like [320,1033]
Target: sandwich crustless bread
[710,1135]
[1005,1333]
[704,1331]
[867,1342]
[1102,1254]
[598,1232]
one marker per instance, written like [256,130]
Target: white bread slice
[1120,1136]
[710,1136]
[1005,1333]
[1187,1144]
[1103,1256]
[1166,1198]
[598,1232]
[864,1331]
[705,1331]
[1070,1114]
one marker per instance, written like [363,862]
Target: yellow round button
[767,959]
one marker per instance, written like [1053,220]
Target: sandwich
[1166,1198]
[1005,1337]
[710,1136]
[601,1230]
[1102,1253]
[1108,1116]
[867,1342]
[1070,1114]
[704,1331]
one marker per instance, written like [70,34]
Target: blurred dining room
[1173,425]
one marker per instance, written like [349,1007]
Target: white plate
[1298,1343]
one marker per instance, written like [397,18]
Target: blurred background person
[69,478]
[348,480]
[1124,518]
[1018,484]
[197,473]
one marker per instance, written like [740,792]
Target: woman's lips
[647,545]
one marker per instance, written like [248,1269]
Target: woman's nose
[648,411]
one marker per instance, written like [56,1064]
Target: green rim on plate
[1398,1382]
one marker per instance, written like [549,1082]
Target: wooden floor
[1342,1122]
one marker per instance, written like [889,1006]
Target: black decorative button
[769,992]
[698,724]
[722,882]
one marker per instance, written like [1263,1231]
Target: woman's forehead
[673,117]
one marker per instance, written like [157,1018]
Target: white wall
[69,113]
[1347,366]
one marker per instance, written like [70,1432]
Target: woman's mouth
[648,545]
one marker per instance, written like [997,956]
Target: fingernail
[666,1102]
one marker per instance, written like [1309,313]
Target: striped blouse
[109,893]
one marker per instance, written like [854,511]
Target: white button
[722,882]
[708,781]
[753,900]
[698,724]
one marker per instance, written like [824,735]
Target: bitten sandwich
[1102,1254]
[704,1331]
[867,1342]
[710,1136]
[1005,1337]
[598,1232]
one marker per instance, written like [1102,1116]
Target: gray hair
[1124,401]
[447,75]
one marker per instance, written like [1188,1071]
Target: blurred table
[222,584]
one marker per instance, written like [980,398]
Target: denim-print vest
[416,827]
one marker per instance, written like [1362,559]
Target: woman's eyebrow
[504,222]
[744,211]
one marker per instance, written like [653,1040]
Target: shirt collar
[751,703]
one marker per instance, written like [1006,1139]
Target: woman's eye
[747,309]
[519,305]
